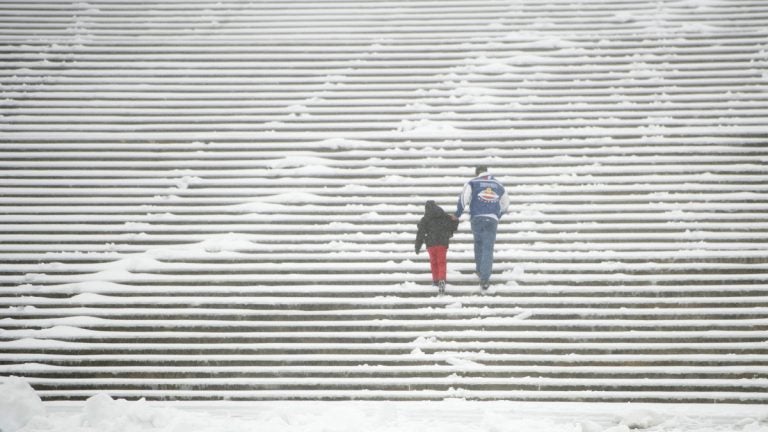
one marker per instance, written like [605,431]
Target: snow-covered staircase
[204,200]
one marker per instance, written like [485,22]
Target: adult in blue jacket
[488,201]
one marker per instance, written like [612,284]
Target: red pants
[437,261]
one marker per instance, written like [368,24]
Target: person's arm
[464,199]
[419,238]
[453,224]
[503,203]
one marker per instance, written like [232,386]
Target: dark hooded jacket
[435,228]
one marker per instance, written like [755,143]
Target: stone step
[546,336]
[735,317]
[424,395]
[384,371]
[398,384]
[87,352]
[410,360]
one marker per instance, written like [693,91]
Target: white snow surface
[19,404]
[22,411]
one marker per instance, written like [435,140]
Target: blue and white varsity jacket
[485,197]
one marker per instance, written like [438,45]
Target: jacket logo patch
[488,195]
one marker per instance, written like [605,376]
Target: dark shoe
[441,287]
[484,285]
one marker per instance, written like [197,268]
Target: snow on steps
[203,200]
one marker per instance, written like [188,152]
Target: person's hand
[453,217]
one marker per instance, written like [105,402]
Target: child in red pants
[435,229]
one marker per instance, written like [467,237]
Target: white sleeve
[464,199]
[504,202]
[466,195]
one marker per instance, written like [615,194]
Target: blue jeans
[484,232]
